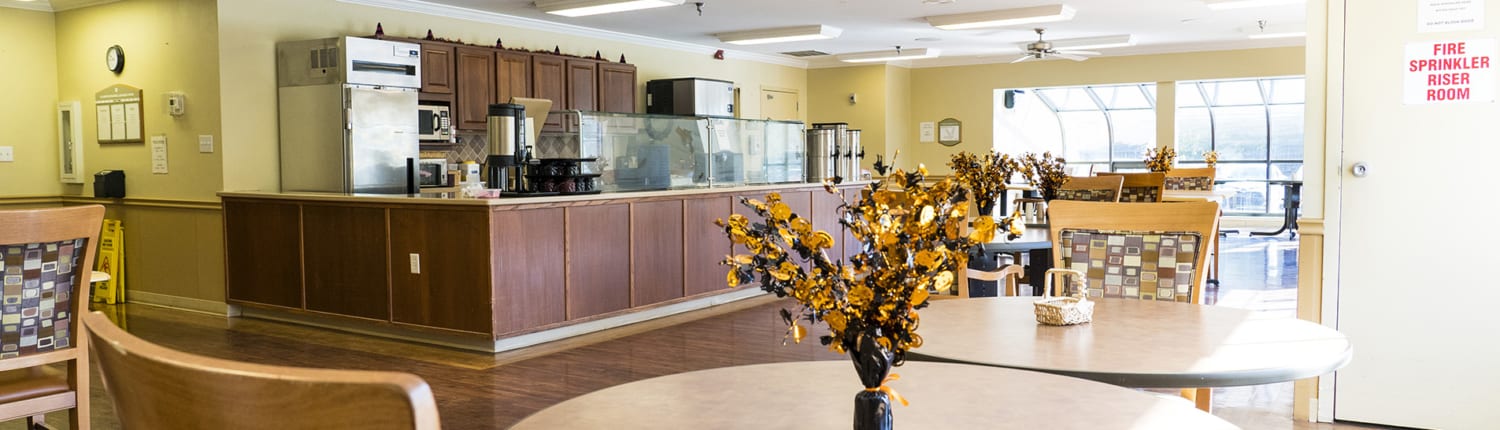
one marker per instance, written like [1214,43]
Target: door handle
[1359,169]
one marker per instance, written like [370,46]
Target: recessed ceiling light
[575,8]
[778,35]
[1242,4]
[889,55]
[1103,42]
[1003,17]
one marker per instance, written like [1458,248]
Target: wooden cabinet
[825,217]
[656,233]
[528,268]
[450,286]
[617,87]
[598,239]
[475,86]
[583,84]
[260,247]
[512,75]
[706,244]
[437,71]
[549,74]
[342,260]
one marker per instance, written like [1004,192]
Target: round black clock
[114,59]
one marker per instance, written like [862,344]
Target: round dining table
[1133,343]
[820,395]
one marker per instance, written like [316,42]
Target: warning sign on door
[1450,72]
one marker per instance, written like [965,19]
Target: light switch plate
[7,154]
[206,143]
[416,263]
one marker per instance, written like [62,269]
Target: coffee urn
[853,153]
[821,154]
[837,134]
[508,154]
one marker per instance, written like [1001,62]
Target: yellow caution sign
[111,260]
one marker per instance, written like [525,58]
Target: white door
[782,105]
[1418,293]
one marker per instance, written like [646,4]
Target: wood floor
[493,391]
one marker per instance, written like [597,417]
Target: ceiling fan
[1042,49]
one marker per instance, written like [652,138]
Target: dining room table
[1133,343]
[820,395]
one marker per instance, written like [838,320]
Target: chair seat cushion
[22,384]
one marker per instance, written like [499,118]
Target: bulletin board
[119,114]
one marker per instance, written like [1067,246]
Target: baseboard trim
[179,302]
[504,344]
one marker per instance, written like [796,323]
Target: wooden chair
[45,258]
[1147,252]
[1140,187]
[1008,273]
[153,387]
[1091,188]
[1195,179]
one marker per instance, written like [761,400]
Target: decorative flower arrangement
[1211,157]
[1045,172]
[913,241]
[984,176]
[1160,159]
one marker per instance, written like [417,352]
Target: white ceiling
[52,5]
[1159,26]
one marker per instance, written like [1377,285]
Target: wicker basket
[1065,310]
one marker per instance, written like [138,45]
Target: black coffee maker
[508,153]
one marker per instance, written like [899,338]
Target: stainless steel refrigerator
[348,115]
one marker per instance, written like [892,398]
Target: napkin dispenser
[110,183]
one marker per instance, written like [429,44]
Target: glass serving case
[632,152]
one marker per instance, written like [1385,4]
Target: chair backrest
[46,257]
[1192,179]
[1153,252]
[154,387]
[1091,188]
[1140,187]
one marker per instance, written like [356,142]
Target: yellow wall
[28,117]
[966,93]
[170,45]
[252,28]
[881,108]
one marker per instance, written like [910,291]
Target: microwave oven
[432,172]
[434,123]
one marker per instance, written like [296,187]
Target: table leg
[1291,202]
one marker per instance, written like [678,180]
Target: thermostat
[176,103]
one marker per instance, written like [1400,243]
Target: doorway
[779,104]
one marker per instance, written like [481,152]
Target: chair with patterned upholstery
[1134,251]
[1091,188]
[45,258]
[154,387]
[1190,179]
[1140,187]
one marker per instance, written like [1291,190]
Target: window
[1255,125]
[1103,127]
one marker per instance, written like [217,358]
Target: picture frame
[70,142]
[950,132]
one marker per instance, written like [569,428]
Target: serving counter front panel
[485,268]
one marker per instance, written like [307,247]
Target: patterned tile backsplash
[470,146]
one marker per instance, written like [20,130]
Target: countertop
[454,199]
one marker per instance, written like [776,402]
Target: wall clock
[114,59]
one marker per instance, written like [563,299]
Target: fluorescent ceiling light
[1278,35]
[1103,42]
[1003,17]
[778,35]
[575,8]
[889,55]
[1242,4]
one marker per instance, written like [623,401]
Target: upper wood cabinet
[616,87]
[512,75]
[475,87]
[437,70]
[583,84]
[549,79]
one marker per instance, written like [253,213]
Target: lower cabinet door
[440,269]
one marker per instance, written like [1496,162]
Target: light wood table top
[1134,343]
[820,395]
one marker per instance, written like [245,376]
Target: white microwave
[434,123]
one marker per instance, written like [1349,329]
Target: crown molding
[429,8]
[36,6]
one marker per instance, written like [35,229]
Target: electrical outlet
[416,263]
[7,154]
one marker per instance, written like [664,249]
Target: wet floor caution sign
[111,261]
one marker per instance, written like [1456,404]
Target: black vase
[986,206]
[872,408]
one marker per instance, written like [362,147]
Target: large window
[1255,125]
[1096,127]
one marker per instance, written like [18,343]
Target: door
[1415,295]
[617,87]
[782,105]
[382,139]
[549,80]
[476,87]
[512,75]
[583,85]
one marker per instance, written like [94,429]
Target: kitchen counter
[490,274]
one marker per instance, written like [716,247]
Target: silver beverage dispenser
[822,151]
[838,163]
[508,153]
[853,154]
